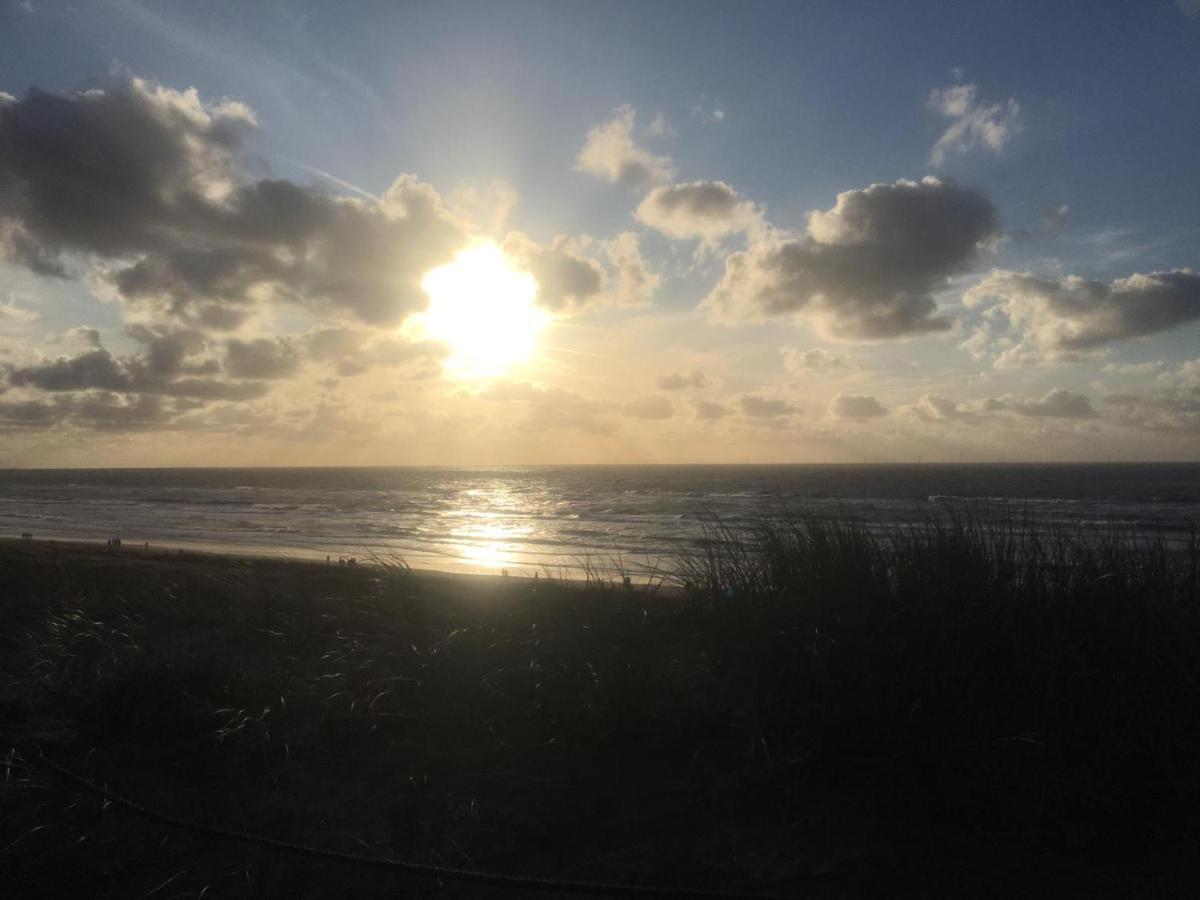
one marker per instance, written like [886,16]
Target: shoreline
[226,553]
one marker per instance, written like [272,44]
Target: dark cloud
[1068,319]
[649,408]
[802,362]
[865,269]
[707,410]
[262,358]
[353,351]
[856,407]
[30,413]
[1058,403]
[566,280]
[764,408]
[168,366]
[141,172]
[94,370]
[698,209]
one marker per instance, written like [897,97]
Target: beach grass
[805,705]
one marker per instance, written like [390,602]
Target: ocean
[558,519]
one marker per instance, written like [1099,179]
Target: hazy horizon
[530,233]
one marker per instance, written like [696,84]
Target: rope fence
[424,870]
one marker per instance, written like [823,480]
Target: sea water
[560,520]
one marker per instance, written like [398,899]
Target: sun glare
[485,310]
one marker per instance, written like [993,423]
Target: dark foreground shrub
[1021,678]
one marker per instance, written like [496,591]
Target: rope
[428,870]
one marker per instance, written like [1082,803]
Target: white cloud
[611,153]
[632,283]
[10,312]
[973,124]
[1070,319]
[709,113]
[484,208]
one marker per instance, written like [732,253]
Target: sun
[485,309]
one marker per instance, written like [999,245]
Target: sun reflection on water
[490,541]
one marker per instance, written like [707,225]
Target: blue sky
[1091,171]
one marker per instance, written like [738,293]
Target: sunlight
[485,310]
[489,544]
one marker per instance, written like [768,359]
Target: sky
[509,233]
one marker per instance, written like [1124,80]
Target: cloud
[171,364]
[675,382]
[707,410]
[1056,219]
[649,408]
[552,408]
[30,413]
[1069,319]
[632,283]
[709,113]
[1143,368]
[610,153]
[865,269]
[1189,7]
[973,124]
[570,282]
[937,408]
[567,281]
[353,351]
[659,127]
[265,358]
[150,181]
[856,407]
[487,208]
[764,408]
[804,362]
[1057,403]
[707,210]
[10,312]
[1173,405]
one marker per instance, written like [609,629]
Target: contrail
[340,182]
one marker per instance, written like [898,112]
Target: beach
[577,731]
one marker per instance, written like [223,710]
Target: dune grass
[819,706]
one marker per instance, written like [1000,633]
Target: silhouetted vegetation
[955,707]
